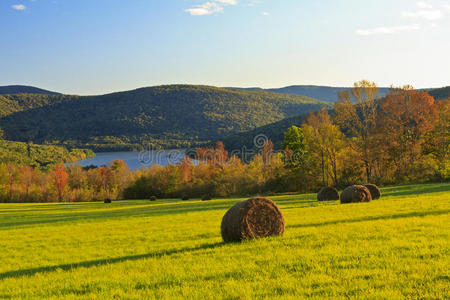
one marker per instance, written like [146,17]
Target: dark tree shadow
[100,262]
[375,218]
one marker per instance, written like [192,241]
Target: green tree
[295,154]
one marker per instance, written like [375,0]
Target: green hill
[440,93]
[166,116]
[23,89]
[39,155]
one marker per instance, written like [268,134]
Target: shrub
[206,198]
[153,198]
[108,201]
[185,198]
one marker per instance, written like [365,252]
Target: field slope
[392,248]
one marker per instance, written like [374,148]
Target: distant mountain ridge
[23,89]
[323,93]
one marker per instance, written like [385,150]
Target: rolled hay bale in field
[328,194]
[108,201]
[254,218]
[206,198]
[153,198]
[185,198]
[356,193]
[374,191]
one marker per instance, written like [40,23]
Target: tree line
[403,137]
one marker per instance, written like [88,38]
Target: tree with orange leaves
[60,178]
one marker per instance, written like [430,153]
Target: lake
[135,160]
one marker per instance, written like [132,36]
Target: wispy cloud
[387,30]
[425,11]
[19,7]
[211,7]
[265,13]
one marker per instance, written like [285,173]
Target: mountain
[23,89]
[164,116]
[440,93]
[323,93]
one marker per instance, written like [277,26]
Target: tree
[60,178]
[294,148]
[358,119]
[324,142]
[406,117]
[27,178]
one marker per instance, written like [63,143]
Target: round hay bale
[254,218]
[374,191]
[206,198]
[185,198]
[328,194]
[108,201]
[355,193]
[153,198]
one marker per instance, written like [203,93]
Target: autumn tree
[356,113]
[324,142]
[60,178]
[294,148]
[406,117]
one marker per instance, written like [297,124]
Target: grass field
[392,248]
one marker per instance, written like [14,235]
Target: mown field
[392,248]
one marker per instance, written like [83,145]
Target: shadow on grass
[375,218]
[101,262]
[410,190]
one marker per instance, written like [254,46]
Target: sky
[88,47]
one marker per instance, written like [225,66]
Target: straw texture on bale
[374,191]
[328,194]
[355,193]
[254,218]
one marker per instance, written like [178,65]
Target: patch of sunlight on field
[395,247]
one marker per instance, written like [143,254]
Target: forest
[167,117]
[398,139]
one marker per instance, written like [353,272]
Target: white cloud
[387,30]
[19,7]
[429,15]
[424,5]
[208,8]
[265,13]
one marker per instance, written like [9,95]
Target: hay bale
[185,198]
[254,218]
[355,193]
[153,198]
[328,194]
[374,191]
[108,201]
[206,198]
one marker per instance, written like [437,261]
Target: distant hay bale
[185,198]
[355,193]
[206,198]
[328,194]
[374,191]
[153,198]
[108,201]
[254,218]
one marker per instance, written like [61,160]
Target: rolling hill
[323,93]
[23,89]
[164,116]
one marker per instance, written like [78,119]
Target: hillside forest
[401,138]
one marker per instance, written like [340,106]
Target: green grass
[396,247]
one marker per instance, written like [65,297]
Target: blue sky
[98,46]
